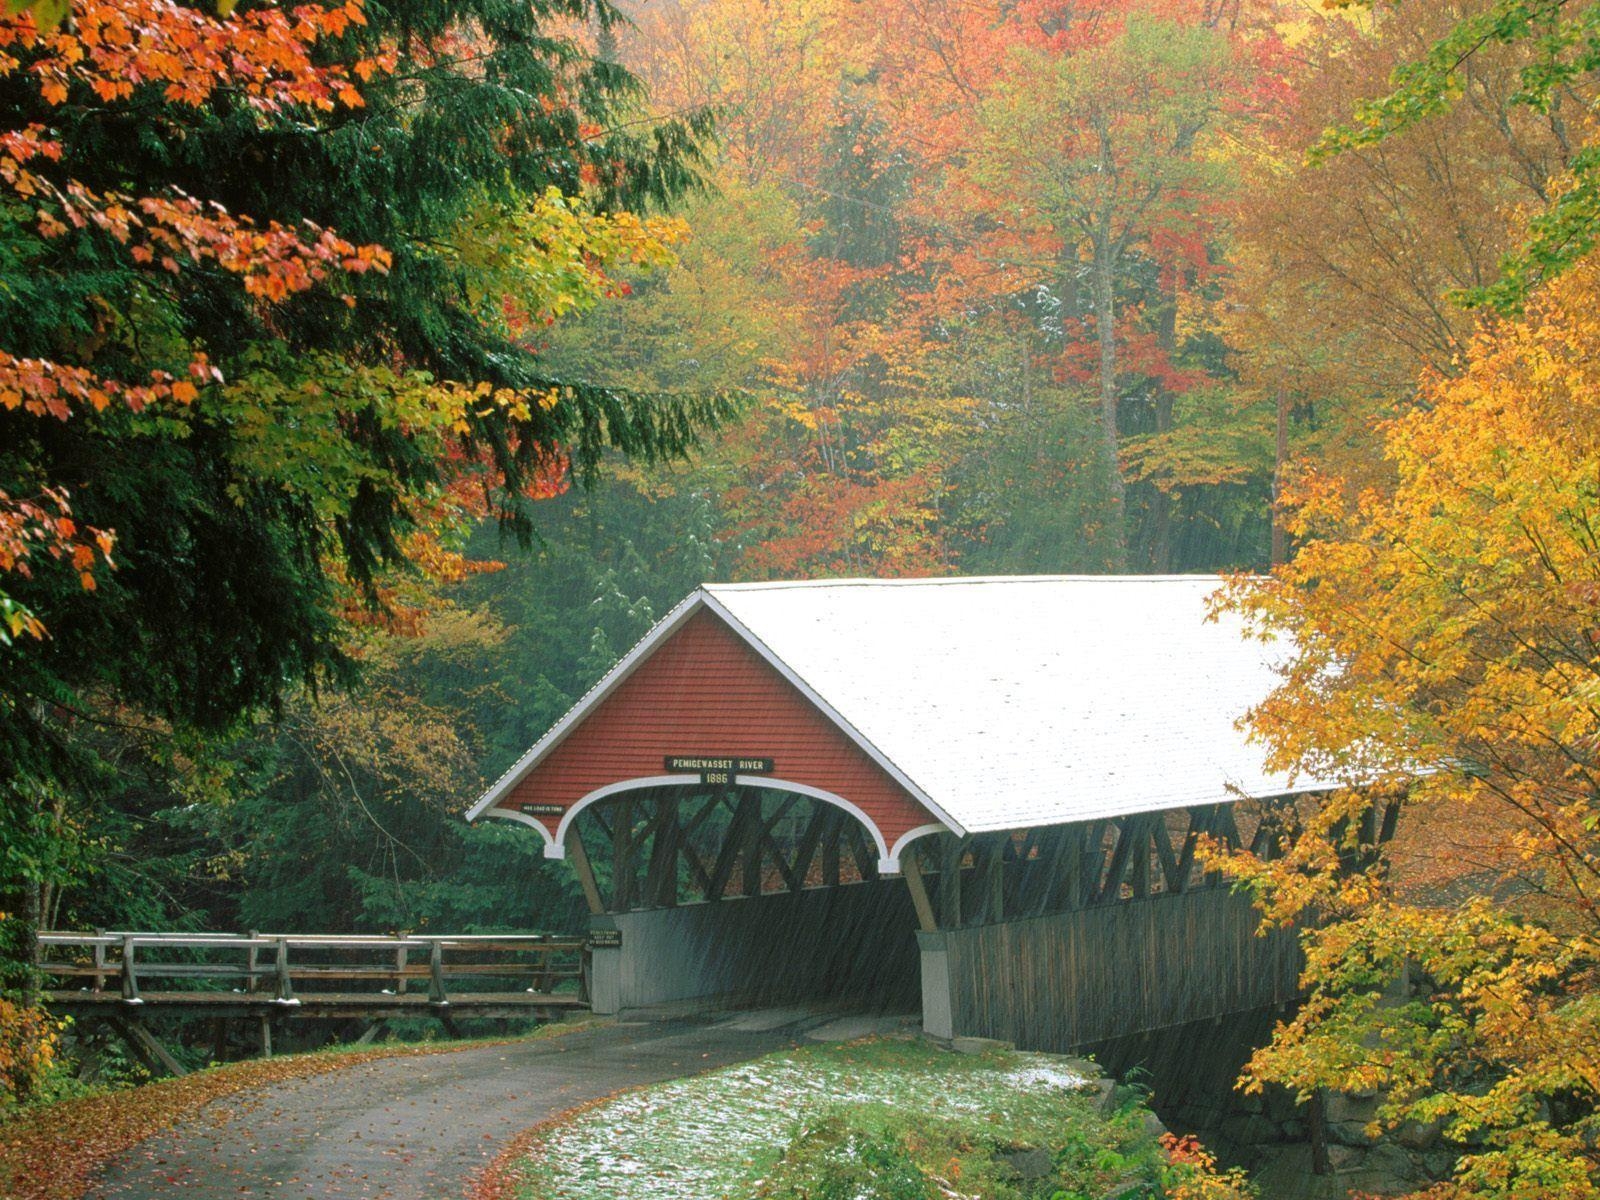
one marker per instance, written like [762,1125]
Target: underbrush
[850,1154]
[878,1154]
[877,1120]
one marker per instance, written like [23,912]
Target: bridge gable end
[702,691]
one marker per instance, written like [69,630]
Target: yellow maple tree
[1449,648]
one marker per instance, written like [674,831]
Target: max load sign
[717,769]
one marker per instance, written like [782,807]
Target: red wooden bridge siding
[705,691]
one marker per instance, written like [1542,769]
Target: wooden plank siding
[705,691]
[1062,981]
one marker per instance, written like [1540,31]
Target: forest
[374,375]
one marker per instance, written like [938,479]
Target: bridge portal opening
[742,895]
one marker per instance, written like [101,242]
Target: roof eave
[1178,804]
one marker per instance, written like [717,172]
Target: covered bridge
[984,793]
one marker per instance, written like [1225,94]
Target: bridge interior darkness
[746,893]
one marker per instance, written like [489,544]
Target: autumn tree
[1096,154]
[930,270]
[1557,55]
[1076,184]
[1442,600]
[1447,649]
[1345,269]
[839,466]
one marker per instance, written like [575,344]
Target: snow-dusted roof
[1004,703]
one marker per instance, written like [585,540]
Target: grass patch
[876,1120]
[52,1152]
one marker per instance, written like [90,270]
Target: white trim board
[911,835]
[555,846]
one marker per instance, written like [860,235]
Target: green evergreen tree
[251,520]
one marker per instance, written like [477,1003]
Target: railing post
[250,963]
[545,981]
[436,991]
[400,969]
[130,980]
[99,962]
[285,988]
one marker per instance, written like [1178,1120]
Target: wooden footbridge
[123,978]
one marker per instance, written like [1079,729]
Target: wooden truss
[661,847]
[667,846]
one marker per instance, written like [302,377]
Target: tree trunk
[32,915]
[1280,536]
[1317,1124]
[1159,547]
[605,41]
[30,808]
[1106,334]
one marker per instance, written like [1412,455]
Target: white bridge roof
[1009,702]
[1031,700]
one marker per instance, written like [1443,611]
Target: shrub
[833,1158]
[29,1038]
[1191,1173]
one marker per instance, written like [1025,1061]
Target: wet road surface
[420,1128]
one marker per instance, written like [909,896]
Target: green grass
[875,1120]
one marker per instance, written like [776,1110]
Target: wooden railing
[315,969]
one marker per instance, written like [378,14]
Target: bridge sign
[717,769]
[542,810]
